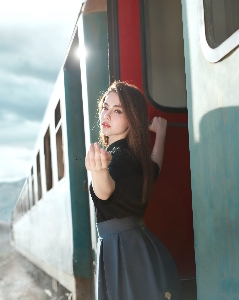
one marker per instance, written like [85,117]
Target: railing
[22,205]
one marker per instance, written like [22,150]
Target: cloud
[14,163]
[17,139]
[33,52]
[34,41]
[29,11]
[17,132]
[24,96]
[30,60]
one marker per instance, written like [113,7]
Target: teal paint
[215,177]
[82,260]
[214,164]
[97,69]
[187,60]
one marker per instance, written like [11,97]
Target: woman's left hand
[158,125]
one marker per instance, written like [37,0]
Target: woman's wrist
[102,183]
[160,133]
[100,171]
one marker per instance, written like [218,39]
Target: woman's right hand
[97,158]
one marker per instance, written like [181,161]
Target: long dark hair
[135,108]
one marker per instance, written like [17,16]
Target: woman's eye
[118,111]
[104,108]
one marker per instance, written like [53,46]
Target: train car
[183,56]
[212,57]
[50,223]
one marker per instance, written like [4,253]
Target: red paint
[169,214]
[129,42]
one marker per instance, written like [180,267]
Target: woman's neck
[113,139]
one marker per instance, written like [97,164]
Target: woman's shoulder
[123,156]
[118,146]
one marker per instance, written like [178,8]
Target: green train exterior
[212,59]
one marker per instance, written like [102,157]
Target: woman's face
[113,122]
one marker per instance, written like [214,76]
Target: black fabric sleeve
[95,198]
[119,168]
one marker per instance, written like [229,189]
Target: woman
[132,263]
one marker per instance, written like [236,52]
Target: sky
[34,38]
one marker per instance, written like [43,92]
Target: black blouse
[127,173]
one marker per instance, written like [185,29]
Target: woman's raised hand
[158,125]
[97,158]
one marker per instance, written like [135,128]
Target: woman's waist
[116,226]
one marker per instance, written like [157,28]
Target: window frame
[113,40]
[214,55]
[144,69]
[58,105]
[62,155]
[39,176]
[33,196]
[48,160]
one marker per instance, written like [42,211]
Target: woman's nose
[107,115]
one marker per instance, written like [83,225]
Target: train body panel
[49,246]
[48,242]
[92,34]
[44,241]
[213,106]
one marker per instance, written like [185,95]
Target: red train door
[151,56]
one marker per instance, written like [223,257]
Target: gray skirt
[133,264]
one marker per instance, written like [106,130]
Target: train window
[33,191]
[39,177]
[221,20]
[25,199]
[163,54]
[57,113]
[47,153]
[60,154]
[28,195]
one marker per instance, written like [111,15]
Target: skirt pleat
[133,264]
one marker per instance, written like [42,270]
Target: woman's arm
[159,126]
[97,161]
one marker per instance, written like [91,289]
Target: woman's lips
[105,125]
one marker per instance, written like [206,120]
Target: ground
[19,279]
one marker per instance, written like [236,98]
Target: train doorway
[151,55]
